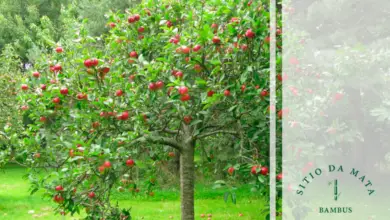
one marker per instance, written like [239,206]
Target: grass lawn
[16,202]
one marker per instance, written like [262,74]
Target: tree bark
[187,179]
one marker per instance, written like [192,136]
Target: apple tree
[167,74]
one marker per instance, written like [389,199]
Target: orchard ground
[17,203]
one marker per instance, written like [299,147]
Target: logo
[336,194]
[336,186]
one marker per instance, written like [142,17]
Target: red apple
[279,176]
[64,91]
[37,155]
[234,20]
[169,24]
[231,171]
[185,49]
[59,188]
[112,25]
[280,114]
[243,87]
[214,25]
[197,68]
[43,86]
[185,97]
[24,107]
[88,63]
[105,70]
[107,164]
[267,39]
[24,87]
[81,96]
[264,171]
[132,77]
[141,29]
[90,71]
[174,40]
[171,154]
[137,17]
[159,84]
[183,90]
[226,93]
[95,124]
[216,40]
[36,74]
[111,113]
[131,19]
[42,119]
[58,199]
[264,93]
[152,86]
[280,78]
[94,62]
[170,89]
[56,100]
[91,195]
[196,48]
[133,54]
[119,92]
[187,119]
[254,169]
[71,153]
[59,50]
[124,116]
[179,74]
[249,33]
[130,162]
[57,68]
[338,96]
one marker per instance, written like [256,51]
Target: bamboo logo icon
[335,189]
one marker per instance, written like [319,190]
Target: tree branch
[158,140]
[166,130]
[199,136]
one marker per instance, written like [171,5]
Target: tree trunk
[187,179]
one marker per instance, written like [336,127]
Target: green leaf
[201,82]
[33,191]
[220,182]
[232,108]
[261,179]
[76,158]
[196,122]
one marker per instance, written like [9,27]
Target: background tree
[10,122]
[18,18]
[95,10]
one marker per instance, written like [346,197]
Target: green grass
[16,202]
